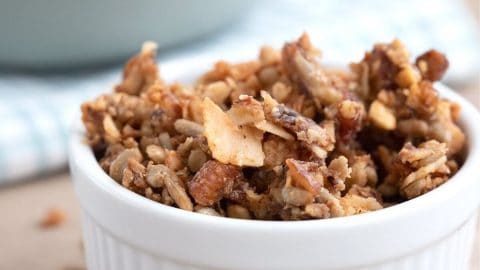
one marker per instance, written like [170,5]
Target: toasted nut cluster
[280,137]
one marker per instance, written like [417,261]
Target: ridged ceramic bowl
[123,230]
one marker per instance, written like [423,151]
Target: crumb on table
[52,218]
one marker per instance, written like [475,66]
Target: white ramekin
[123,230]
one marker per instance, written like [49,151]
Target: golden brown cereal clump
[280,137]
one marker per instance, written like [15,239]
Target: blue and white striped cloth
[36,110]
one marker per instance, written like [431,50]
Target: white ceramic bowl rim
[470,120]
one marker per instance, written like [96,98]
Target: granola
[280,137]
[54,217]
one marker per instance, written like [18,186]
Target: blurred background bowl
[66,33]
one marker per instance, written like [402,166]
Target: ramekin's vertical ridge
[86,241]
[106,252]
[128,261]
[102,249]
[474,260]
[99,257]
[89,242]
[452,252]
[439,251]
[459,249]
[113,254]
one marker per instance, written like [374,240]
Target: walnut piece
[381,116]
[213,181]
[426,165]
[306,175]
[432,65]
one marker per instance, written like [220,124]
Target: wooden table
[26,245]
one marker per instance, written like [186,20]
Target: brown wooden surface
[24,244]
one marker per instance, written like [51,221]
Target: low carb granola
[280,137]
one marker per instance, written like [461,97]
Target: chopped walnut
[277,151]
[363,171]
[354,204]
[296,196]
[317,210]
[339,171]
[407,76]
[213,181]
[381,116]
[424,167]
[444,129]
[307,175]
[432,65]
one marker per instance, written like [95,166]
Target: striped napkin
[36,110]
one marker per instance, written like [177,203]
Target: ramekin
[123,230]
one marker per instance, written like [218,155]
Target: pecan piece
[213,181]
[306,175]
[432,64]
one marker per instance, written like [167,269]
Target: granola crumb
[54,217]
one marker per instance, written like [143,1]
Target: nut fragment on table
[53,218]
